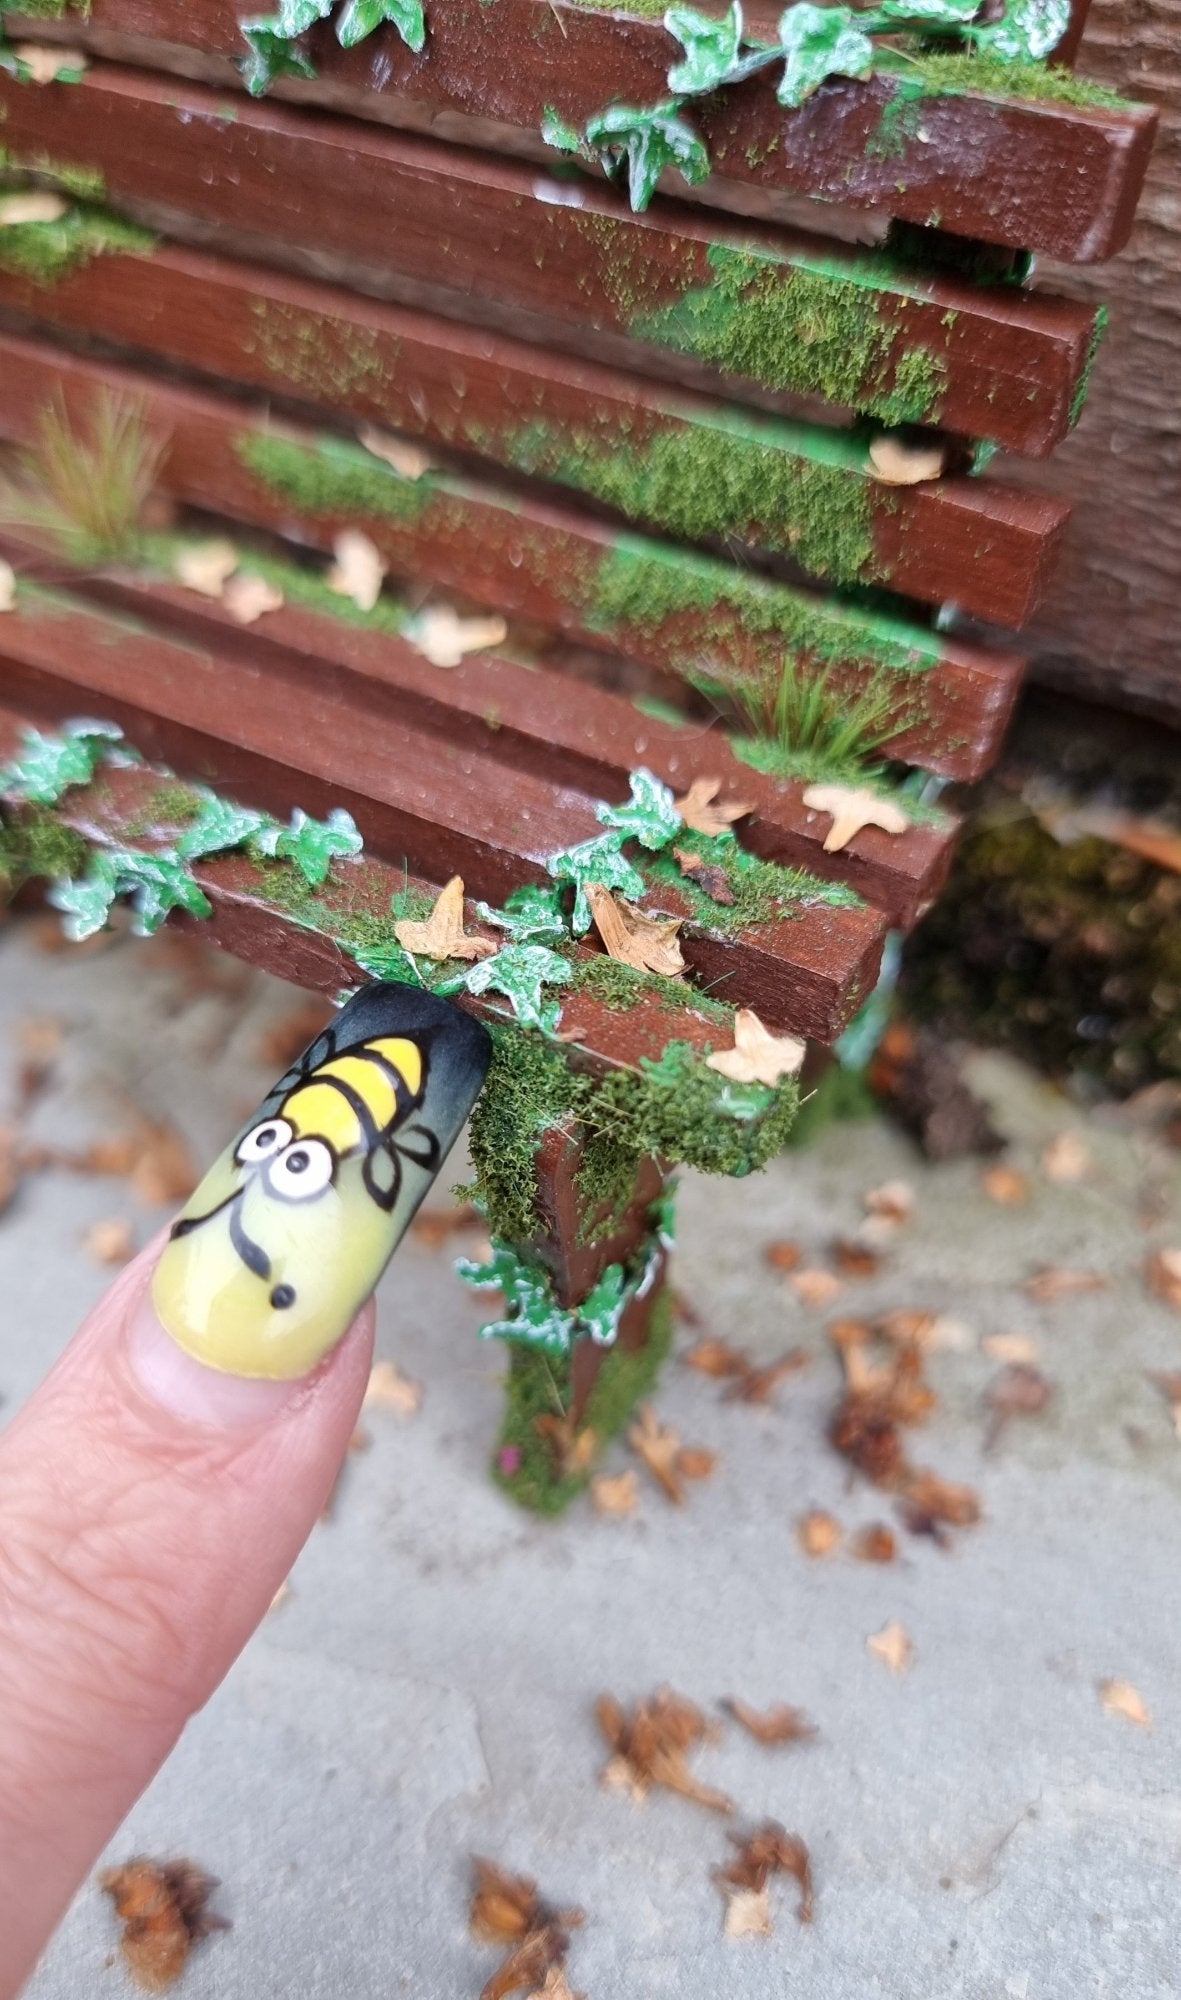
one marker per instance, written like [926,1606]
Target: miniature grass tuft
[86,484]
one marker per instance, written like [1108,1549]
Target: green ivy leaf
[158,884]
[359,18]
[646,142]
[537,1320]
[295,17]
[531,915]
[602,861]
[602,1308]
[85,900]
[557,132]
[312,844]
[651,818]
[48,765]
[934,13]
[520,972]
[820,42]
[711,48]
[221,826]
[272,54]
[1030,30]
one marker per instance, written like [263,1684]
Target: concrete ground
[981,1828]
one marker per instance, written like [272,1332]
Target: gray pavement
[981,1829]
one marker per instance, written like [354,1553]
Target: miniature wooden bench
[713,461]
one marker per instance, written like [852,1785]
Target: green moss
[169,807]
[763,891]
[45,251]
[642,10]
[35,845]
[323,356]
[538,1387]
[82,183]
[679,1109]
[1102,319]
[1032,82]
[333,477]
[530,1087]
[793,487]
[45,10]
[299,585]
[621,987]
[808,327]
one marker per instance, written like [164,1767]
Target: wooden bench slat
[654,601]
[274,735]
[487,238]
[571,732]
[1054,177]
[724,475]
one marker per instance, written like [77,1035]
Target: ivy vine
[636,145]
[273,39]
[534,1317]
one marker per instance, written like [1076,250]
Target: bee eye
[302,1170]
[263,1142]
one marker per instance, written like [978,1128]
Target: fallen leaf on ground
[651,1747]
[667,1459]
[555,1986]
[1164,1277]
[818,1533]
[162,1906]
[748,1913]
[1169,1385]
[409,460]
[7,587]
[783,1256]
[1121,1698]
[855,1260]
[45,65]
[358,571]
[893,1646]
[710,879]
[702,812]
[615,1494]
[535,1959]
[769,1850]
[442,935]
[853,807]
[782,1724]
[686,1311]
[750,1384]
[36,206]
[758,1056]
[649,944]
[1055,1283]
[445,639]
[389,1389]
[874,1544]
[894,1201]
[1005,1185]
[1018,1391]
[249,598]
[1020,1347]
[899,464]
[206,567]
[1067,1158]
[110,1242]
[715,1358]
[163,1170]
[434,1227]
[507,1910]
[815,1287]
[929,1501]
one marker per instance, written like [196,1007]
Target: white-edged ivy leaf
[711,48]
[936,13]
[520,972]
[47,766]
[312,844]
[221,825]
[600,861]
[295,17]
[531,915]
[559,133]
[646,142]
[85,900]
[537,1320]
[819,42]
[602,1308]
[272,54]
[159,884]
[651,817]
[1029,30]
[359,18]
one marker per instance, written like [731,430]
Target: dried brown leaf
[712,880]
[659,1447]
[783,1256]
[748,1913]
[530,1964]
[111,1242]
[1053,1282]
[162,1906]
[1122,1699]
[389,1389]
[896,463]
[35,205]
[358,571]
[1019,1347]
[693,1461]
[701,811]
[410,461]
[206,567]
[874,1544]
[1067,1158]
[851,809]
[758,1385]
[855,1260]
[894,1200]
[893,1646]
[505,1908]
[649,944]
[716,1358]
[1163,1275]
[781,1724]
[934,1500]
[45,65]
[758,1056]
[248,598]
[769,1850]
[615,1494]
[818,1533]
[442,934]
[650,1747]
[446,639]
[574,1450]
[1005,1185]
[815,1287]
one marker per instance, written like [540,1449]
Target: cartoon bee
[291,1228]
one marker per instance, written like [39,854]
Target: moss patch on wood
[333,477]
[46,251]
[80,182]
[323,357]
[764,892]
[35,845]
[1031,82]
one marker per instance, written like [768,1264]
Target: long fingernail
[292,1227]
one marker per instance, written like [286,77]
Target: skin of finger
[137,1555]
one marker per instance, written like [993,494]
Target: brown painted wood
[1043,176]
[486,239]
[569,732]
[521,556]
[988,547]
[294,738]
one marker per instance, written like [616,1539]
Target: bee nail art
[291,1228]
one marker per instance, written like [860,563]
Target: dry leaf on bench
[782,1724]
[358,572]
[410,461]
[701,811]
[770,1850]
[45,65]
[206,567]
[615,1494]
[852,808]
[36,206]
[389,1389]
[892,1645]
[1053,1283]
[444,638]
[1121,1698]
[1005,1185]
[7,587]
[899,464]
[1067,1158]
[758,1056]
[651,1747]
[709,878]
[649,944]
[442,935]
[248,598]
[162,1906]
[1164,1277]
[110,1242]
[818,1534]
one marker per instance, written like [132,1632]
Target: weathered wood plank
[785,311]
[692,467]
[1048,176]
[688,614]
